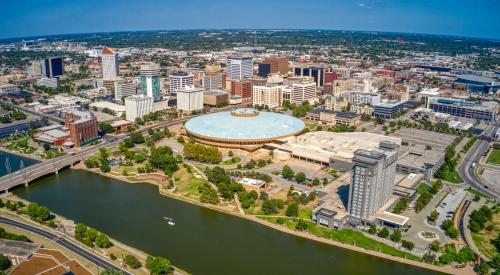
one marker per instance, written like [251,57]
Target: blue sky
[478,18]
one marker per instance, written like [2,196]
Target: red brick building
[82,127]
[243,89]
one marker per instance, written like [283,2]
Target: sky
[474,18]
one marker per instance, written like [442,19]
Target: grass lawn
[187,183]
[422,187]
[348,236]
[453,177]
[494,157]
[475,192]
[233,160]
[483,238]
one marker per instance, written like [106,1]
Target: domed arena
[243,128]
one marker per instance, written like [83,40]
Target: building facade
[110,65]
[138,106]
[189,99]
[268,95]
[124,89]
[82,127]
[304,91]
[239,68]
[372,180]
[277,64]
[180,80]
[150,81]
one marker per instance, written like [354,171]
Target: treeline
[11,236]
[202,153]
[450,161]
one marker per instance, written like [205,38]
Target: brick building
[82,127]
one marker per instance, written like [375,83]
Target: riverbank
[114,254]
[235,212]
[20,154]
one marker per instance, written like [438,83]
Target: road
[82,252]
[467,172]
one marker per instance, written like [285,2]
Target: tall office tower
[150,81]
[372,180]
[212,81]
[180,80]
[239,68]
[264,70]
[268,95]
[318,73]
[36,68]
[189,99]
[303,91]
[138,106]
[124,89]
[110,66]
[52,67]
[82,127]
[278,64]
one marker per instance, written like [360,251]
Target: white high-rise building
[268,95]
[124,89]
[303,91]
[180,80]
[110,66]
[138,106]
[372,181]
[239,68]
[190,99]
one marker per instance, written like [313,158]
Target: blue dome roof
[237,125]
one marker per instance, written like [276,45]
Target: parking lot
[448,206]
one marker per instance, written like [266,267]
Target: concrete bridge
[43,168]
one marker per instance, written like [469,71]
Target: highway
[82,252]
[467,172]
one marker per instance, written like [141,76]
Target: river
[203,241]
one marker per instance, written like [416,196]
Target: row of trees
[450,161]
[38,212]
[202,153]
[289,174]
[395,236]
[449,228]
[91,237]
[426,196]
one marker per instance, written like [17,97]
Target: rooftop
[263,125]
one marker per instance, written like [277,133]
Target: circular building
[243,128]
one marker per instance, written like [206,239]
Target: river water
[203,241]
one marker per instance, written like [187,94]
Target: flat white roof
[392,218]
[110,105]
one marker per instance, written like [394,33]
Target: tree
[106,127]
[180,139]
[5,262]
[208,194]
[139,158]
[287,172]
[43,213]
[373,229]
[384,233]
[132,261]
[137,138]
[300,177]
[396,236]
[102,241]
[433,216]
[292,210]
[158,265]
[316,182]
[434,246]
[80,231]
[408,245]
[46,146]
[301,225]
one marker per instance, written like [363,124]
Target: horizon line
[496,40]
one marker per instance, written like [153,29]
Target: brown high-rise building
[278,64]
[82,127]
[242,88]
